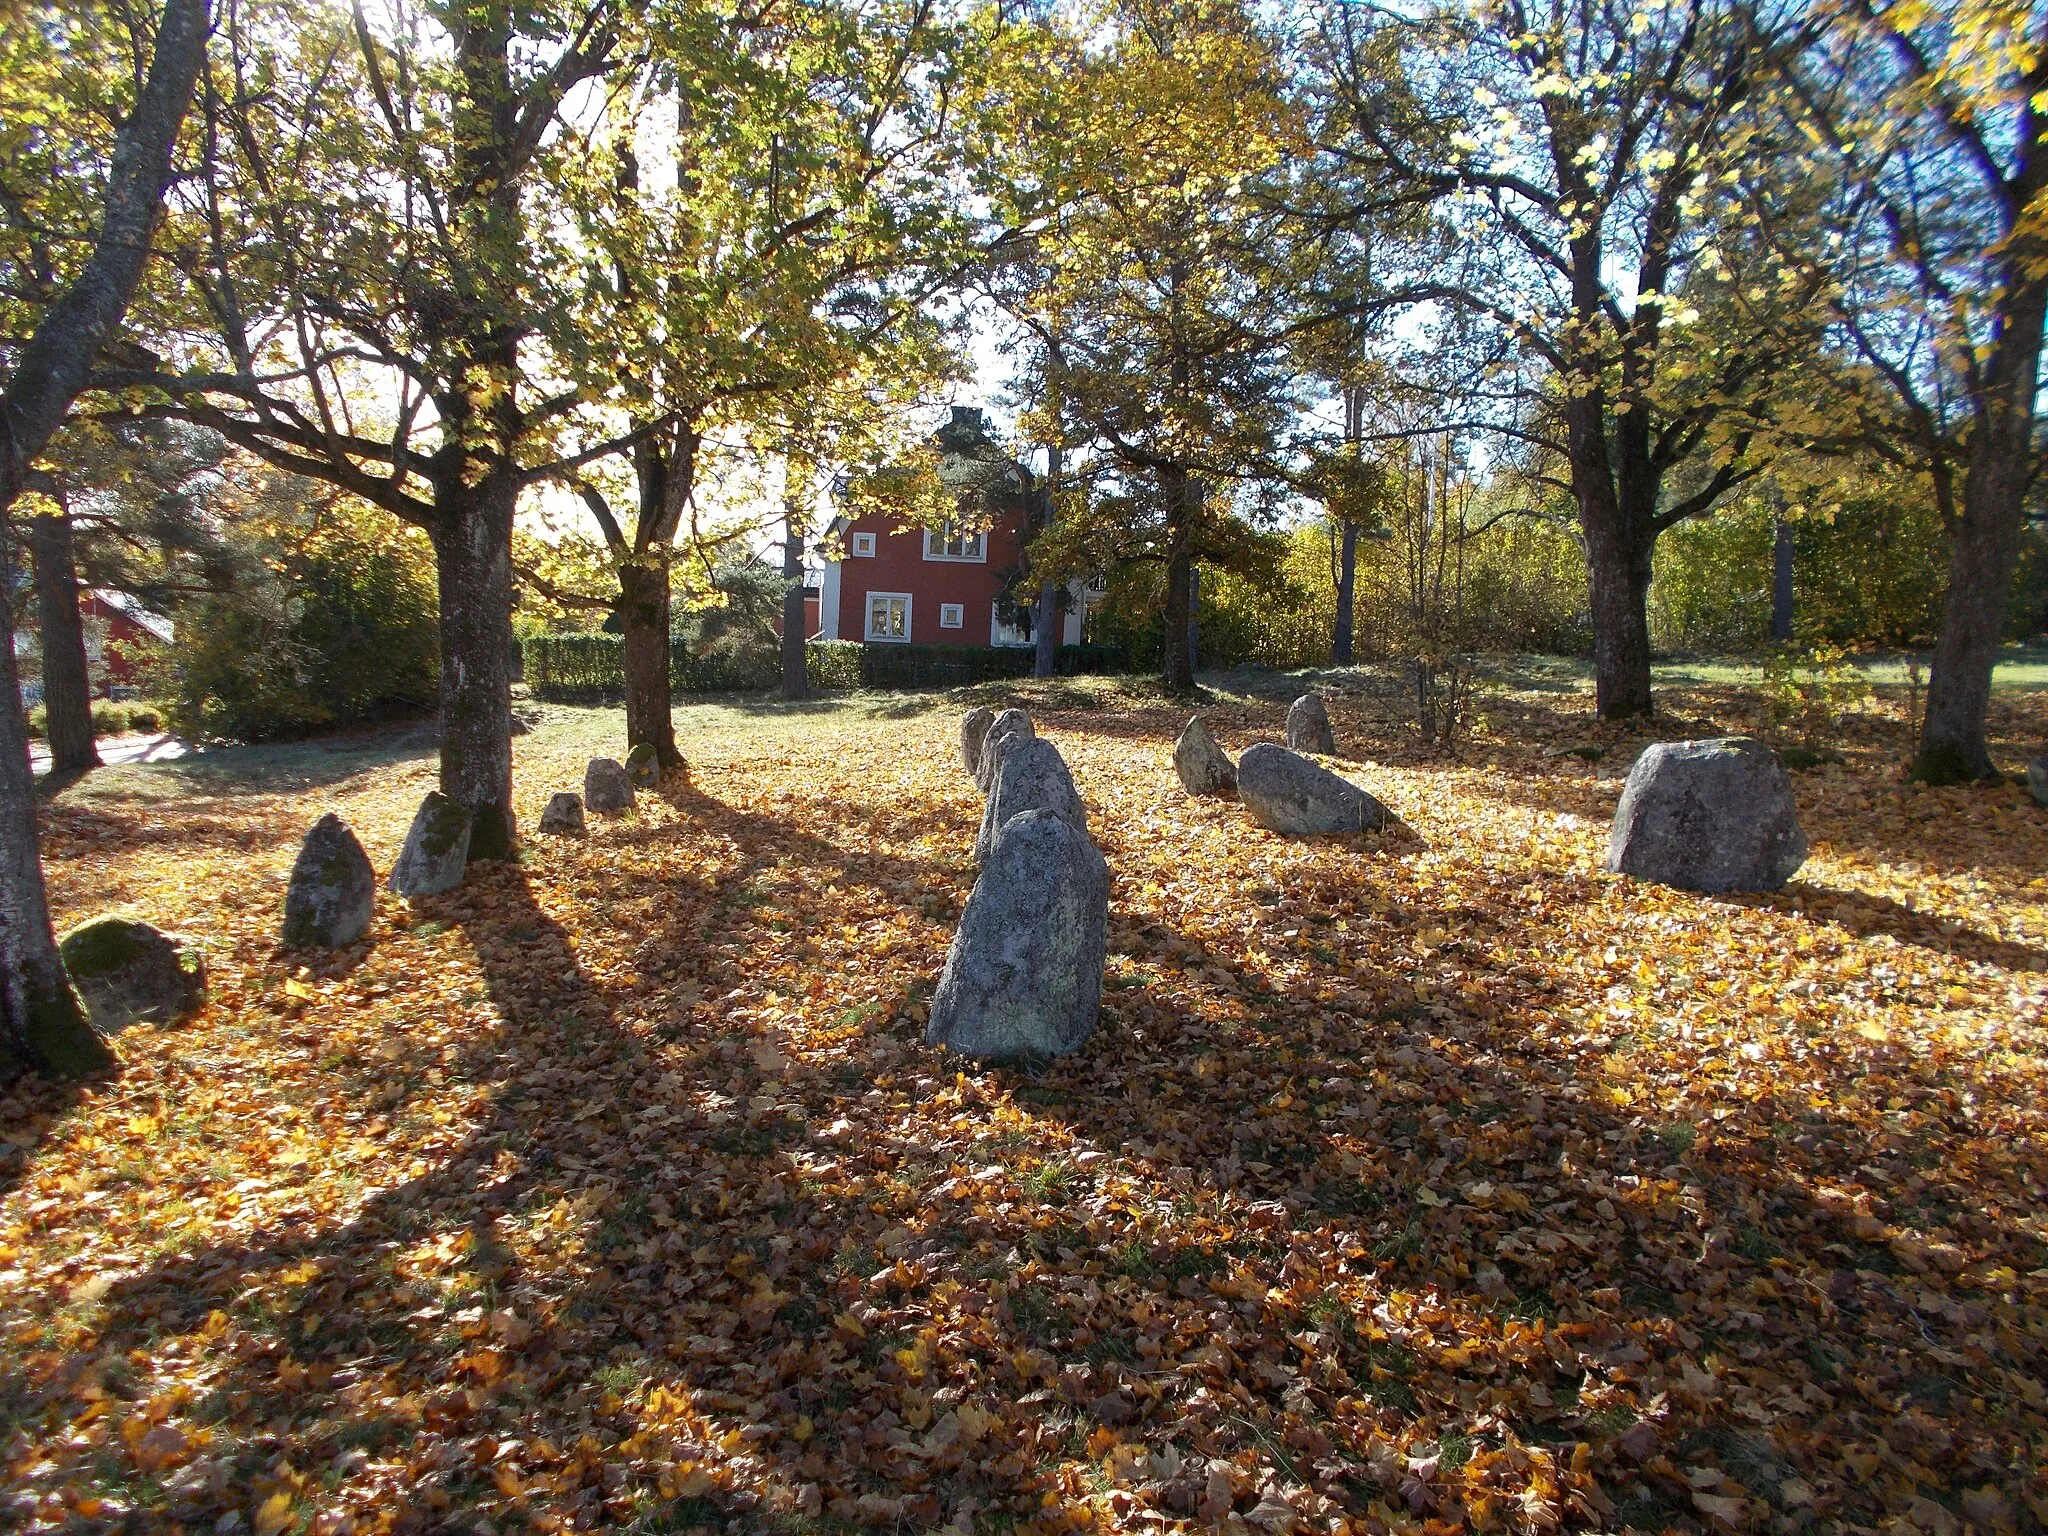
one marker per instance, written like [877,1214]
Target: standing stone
[1286,792]
[1308,726]
[436,850]
[643,766]
[333,890]
[973,731]
[128,972]
[1714,815]
[1023,980]
[2037,779]
[1204,767]
[1031,777]
[607,786]
[564,814]
[1010,725]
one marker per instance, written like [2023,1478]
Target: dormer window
[949,542]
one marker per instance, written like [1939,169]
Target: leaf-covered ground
[1421,1182]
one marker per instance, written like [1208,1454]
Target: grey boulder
[564,814]
[607,786]
[1308,726]
[2037,779]
[436,850]
[1287,793]
[333,892]
[1023,980]
[1031,777]
[1010,725]
[1204,767]
[1713,815]
[128,972]
[973,732]
[643,766]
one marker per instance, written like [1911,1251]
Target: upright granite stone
[1286,792]
[973,732]
[1714,815]
[607,786]
[1023,980]
[643,766]
[333,892]
[1031,777]
[2037,779]
[1010,725]
[1308,726]
[436,851]
[564,814]
[128,972]
[1204,767]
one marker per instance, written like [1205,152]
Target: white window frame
[868,621]
[861,546]
[996,631]
[952,615]
[978,557]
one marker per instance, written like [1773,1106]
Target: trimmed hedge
[853,664]
[594,666]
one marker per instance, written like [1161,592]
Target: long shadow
[1870,916]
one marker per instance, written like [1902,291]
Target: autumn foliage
[1424,1182]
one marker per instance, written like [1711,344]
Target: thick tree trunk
[1781,580]
[1984,549]
[41,1023]
[643,617]
[473,553]
[67,682]
[796,675]
[1617,515]
[1341,636]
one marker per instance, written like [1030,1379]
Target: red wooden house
[937,586]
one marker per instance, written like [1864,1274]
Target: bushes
[594,666]
[342,629]
[108,719]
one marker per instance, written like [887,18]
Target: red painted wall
[898,565]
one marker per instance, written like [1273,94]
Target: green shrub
[38,723]
[1810,691]
[833,663]
[109,719]
[593,666]
[145,717]
[345,630]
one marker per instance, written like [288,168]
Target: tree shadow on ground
[1872,916]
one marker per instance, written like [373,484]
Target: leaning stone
[643,766]
[1204,767]
[1010,725]
[1308,726]
[128,972]
[2037,779]
[1023,980]
[607,786]
[436,850]
[333,892]
[1286,792]
[1031,777]
[973,731]
[1713,815]
[564,814]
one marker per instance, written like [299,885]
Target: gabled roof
[135,613]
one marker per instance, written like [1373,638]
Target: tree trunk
[643,617]
[796,675]
[1984,549]
[67,683]
[473,555]
[1617,515]
[1781,580]
[1046,622]
[41,1022]
[1341,637]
